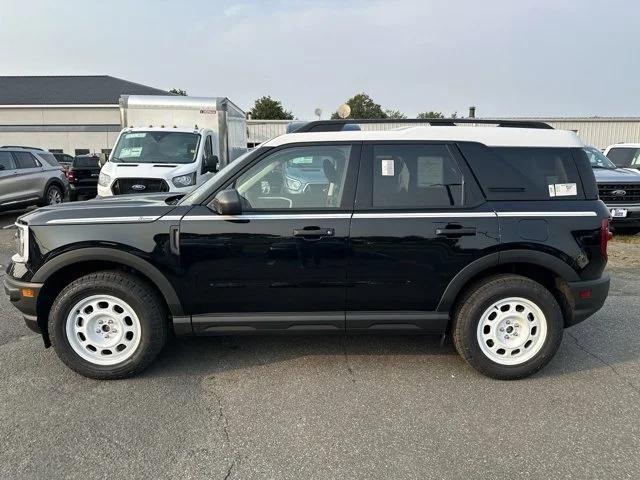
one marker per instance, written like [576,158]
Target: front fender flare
[117,256]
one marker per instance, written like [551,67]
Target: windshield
[156,147]
[597,159]
[203,191]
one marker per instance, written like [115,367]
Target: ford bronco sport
[494,234]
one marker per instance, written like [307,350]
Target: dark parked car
[83,176]
[619,189]
[495,235]
[64,159]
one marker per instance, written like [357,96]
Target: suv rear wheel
[108,325]
[53,195]
[508,327]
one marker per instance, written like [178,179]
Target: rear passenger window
[415,176]
[6,161]
[25,160]
[524,173]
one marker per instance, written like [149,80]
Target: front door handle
[456,232]
[313,233]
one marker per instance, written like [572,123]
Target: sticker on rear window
[387,168]
[552,190]
[566,189]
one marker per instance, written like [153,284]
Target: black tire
[73,196]
[51,190]
[481,297]
[141,298]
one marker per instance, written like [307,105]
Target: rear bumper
[26,304]
[587,298]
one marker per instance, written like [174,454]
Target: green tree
[363,107]
[395,114]
[430,114]
[178,91]
[267,108]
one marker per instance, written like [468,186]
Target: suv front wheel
[108,325]
[508,327]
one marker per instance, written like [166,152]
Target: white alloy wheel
[512,331]
[103,330]
[54,196]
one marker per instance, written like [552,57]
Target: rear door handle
[313,232]
[456,232]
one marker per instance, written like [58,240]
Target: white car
[625,155]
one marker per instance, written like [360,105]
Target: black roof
[69,90]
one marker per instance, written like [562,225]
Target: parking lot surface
[307,407]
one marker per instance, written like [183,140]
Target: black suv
[83,173]
[494,234]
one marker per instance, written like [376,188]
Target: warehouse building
[66,114]
[80,114]
[597,131]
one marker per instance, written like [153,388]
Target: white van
[172,143]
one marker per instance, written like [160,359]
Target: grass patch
[632,239]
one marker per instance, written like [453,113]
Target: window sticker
[136,135]
[566,189]
[552,190]
[387,168]
[131,152]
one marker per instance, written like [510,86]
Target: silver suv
[30,176]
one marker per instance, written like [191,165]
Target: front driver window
[296,178]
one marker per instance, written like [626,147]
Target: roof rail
[337,125]
[23,147]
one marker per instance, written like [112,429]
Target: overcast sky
[510,58]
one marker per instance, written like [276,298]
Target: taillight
[70,176]
[605,236]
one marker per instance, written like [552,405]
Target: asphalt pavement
[324,407]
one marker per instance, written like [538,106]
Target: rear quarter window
[525,173]
[49,158]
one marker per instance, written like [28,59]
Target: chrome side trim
[292,216]
[76,221]
[171,217]
[426,215]
[547,214]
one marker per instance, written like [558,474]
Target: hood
[625,175]
[145,207]
[148,170]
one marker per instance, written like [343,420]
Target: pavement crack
[230,470]
[222,418]
[624,379]
[347,362]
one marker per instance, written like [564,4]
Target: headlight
[292,183]
[22,243]
[185,180]
[104,180]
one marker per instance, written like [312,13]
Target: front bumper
[631,220]
[24,296]
[587,297]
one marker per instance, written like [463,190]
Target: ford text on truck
[172,143]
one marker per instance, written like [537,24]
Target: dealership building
[80,114]
[67,114]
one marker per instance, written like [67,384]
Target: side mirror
[227,202]
[210,164]
[1,167]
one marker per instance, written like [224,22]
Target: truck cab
[171,144]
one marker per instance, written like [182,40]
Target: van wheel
[508,327]
[108,325]
[53,195]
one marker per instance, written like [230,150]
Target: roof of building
[491,136]
[69,90]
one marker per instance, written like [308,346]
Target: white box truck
[172,143]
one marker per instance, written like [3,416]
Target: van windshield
[156,147]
